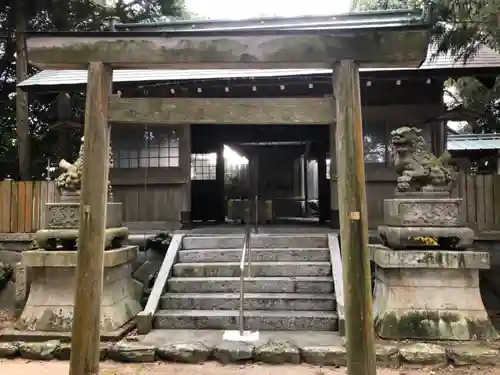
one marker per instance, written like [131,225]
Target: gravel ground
[23,367]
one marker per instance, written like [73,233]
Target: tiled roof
[464,142]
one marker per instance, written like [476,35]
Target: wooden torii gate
[344,42]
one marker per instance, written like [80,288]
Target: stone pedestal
[425,215]
[50,303]
[63,222]
[429,294]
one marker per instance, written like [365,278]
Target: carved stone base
[66,239]
[430,295]
[51,298]
[66,215]
[446,237]
[421,210]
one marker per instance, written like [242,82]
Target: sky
[240,9]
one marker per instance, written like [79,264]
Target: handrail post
[246,249]
[256,213]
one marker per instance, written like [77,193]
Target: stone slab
[14,335]
[424,211]
[429,258]
[259,269]
[448,238]
[62,258]
[254,320]
[261,240]
[66,215]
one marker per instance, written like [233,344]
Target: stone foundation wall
[389,355]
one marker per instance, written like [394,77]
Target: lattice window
[203,166]
[156,149]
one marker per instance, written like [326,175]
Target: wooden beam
[353,215]
[255,111]
[382,47]
[85,338]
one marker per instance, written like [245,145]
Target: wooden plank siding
[21,205]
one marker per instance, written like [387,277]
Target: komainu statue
[418,169]
[70,181]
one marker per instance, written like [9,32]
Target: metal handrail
[244,252]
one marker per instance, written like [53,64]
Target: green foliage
[462,27]
[45,15]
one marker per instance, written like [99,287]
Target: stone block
[423,354]
[185,352]
[22,286]
[10,257]
[66,215]
[423,212]
[132,352]
[277,352]
[430,295]
[8,350]
[452,238]
[39,351]
[387,355]
[233,351]
[325,355]
[51,298]
[145,271]
[472,354]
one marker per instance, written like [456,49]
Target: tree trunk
[22,117]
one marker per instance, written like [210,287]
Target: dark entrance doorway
[231,164]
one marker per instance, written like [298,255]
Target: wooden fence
[21,205]
[481,205]
[22,202]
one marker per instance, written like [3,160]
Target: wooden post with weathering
[85,339]
[353,221]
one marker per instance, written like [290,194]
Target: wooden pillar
[353,221]
[323,193]
[185,161]
[220,178]
[334,208]
[22,104]
[306,178]
[85,338]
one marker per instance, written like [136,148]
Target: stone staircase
[291,287]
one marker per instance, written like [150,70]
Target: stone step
[257,255]
[300,284]
[256,241]
[254,320]
[258,269]
[253,301]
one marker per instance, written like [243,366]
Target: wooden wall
[22,203]
[153,194]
